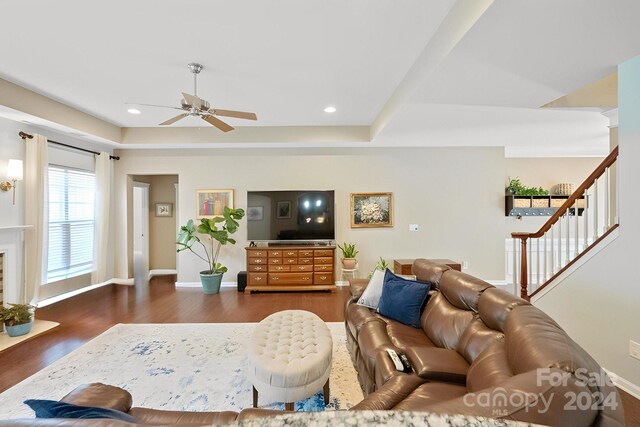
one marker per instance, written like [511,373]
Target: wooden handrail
[597,173]
[568,204]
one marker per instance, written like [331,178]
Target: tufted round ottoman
[290,357]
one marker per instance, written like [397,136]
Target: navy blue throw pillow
[55,409]
[403,299]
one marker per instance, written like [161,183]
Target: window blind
[71,219]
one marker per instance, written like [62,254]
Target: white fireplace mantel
[11,245]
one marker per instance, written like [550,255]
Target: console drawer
[324,260]
[257,260]
[257,268]
[305,261]
[322,252]
[273,268]
[257,278]
[258,253]
[305,253]
[322,278]
[290,278]
[275,260]
[323,267]
[290,253]
[302,268]
[275,253]
[290,261]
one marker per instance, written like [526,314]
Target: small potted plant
[17,319]
[381,265]
[211,278]
[349,253]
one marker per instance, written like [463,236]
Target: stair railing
[585,219]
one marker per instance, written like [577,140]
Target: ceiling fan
[194,106]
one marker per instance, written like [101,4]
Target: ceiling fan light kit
[197,107]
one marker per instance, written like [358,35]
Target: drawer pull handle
[276,253]
[306,261]
[323,277]
[258,268]
[289,253]
[324,267]
[276,278]
[305,278]
[301,267]
[258,279]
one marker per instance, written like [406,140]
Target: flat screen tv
[290,216]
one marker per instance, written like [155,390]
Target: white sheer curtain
[36,207]
[104,173]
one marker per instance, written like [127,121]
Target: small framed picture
[164,209]
[371,210]
[255,213]
[211,203]
[283,209]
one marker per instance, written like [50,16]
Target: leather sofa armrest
[65,422]
[100,395]
[253,413]
[357,287]
[394,391]
[147,416]
[438,364]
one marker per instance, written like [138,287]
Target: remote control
[406,364]
[396,360]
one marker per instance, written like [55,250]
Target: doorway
[140,231]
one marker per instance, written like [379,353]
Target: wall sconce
[14,173]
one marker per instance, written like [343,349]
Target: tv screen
[290,215]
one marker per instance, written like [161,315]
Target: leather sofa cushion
[390,393]
[372,337]
[476,338]
[100,395]
[357,287]
[158,417]
[253,413]
[430,393]
[403,336]
[462,290]
[438,364]
[65,422]
[427,271]
[443,323]
[489,369]
[494,306]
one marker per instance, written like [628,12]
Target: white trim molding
[612,115]
[624,385]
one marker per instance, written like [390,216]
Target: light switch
[413,227]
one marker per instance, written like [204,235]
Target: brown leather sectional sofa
[480,351]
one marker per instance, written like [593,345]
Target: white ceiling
[285,60]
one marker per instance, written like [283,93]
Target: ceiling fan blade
[152,105]
[175,119]
[192,100]
[237,114]
[217,123]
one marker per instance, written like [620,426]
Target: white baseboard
[57,298]
[622,384]
[161,272]
[199,285]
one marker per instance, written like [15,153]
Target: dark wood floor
[87,315]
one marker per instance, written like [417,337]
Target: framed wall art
[283,209]
[371,210]
[164,209]
[211,203]
[255,213]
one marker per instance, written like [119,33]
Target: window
[71,218]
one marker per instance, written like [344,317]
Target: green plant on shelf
[517,189]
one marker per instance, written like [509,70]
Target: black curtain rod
[25,135]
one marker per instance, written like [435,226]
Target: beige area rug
[39,327]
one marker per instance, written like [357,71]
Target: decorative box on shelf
[537,205]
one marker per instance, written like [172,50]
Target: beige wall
[454,194]
[162,230]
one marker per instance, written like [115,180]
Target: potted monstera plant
[216,232]
[17,319]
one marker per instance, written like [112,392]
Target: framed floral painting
[371,210]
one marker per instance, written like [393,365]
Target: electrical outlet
[465,265]
[413,227]
[634,349]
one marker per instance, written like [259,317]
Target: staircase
[578,226]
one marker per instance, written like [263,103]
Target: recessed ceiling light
[330,109]
[133,111]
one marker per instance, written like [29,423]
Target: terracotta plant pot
[349,263]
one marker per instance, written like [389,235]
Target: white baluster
[595,209]
[585,215]
[553,253]
[529,263]
[559,263]
[545,277]
[575,217]
[538,283]
[567,258]
[515,266]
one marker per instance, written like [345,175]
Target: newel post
[524,274]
